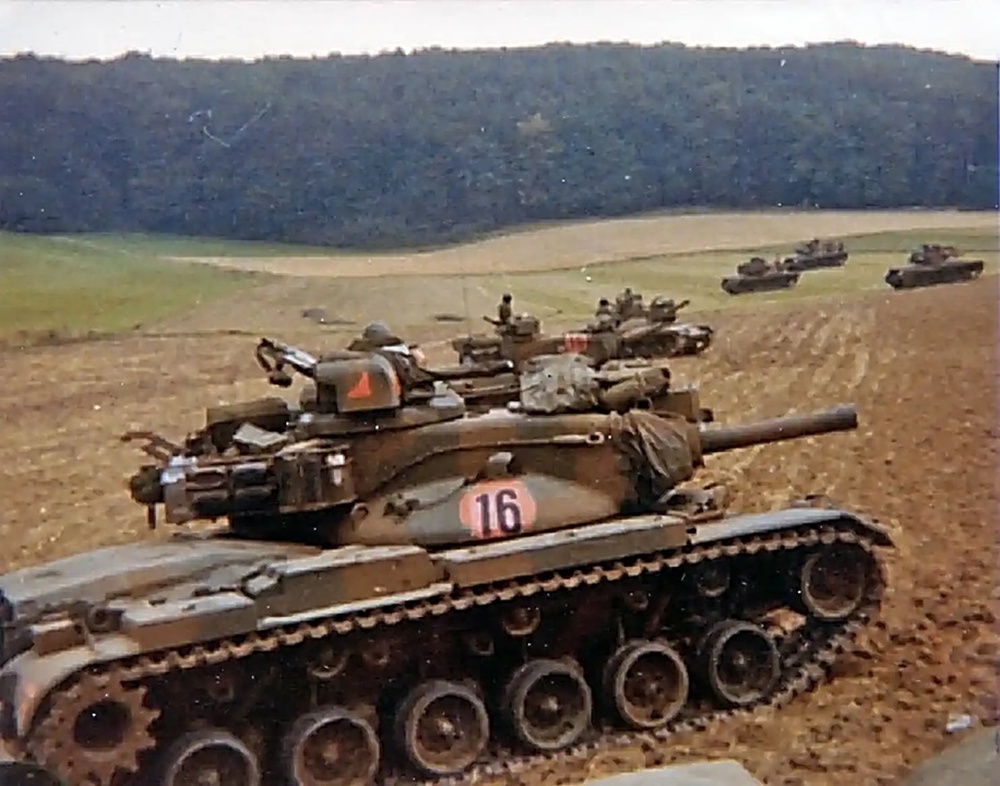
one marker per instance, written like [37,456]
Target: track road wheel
[711,579]
[442,727]
[330,747]
[94,729]
[646,683]
[833,582]
[548,704]
[24,774]
[740,661]
[209,758]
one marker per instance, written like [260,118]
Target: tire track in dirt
[843,353]
[785,375]
[826,374]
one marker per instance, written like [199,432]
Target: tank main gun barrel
[719,439]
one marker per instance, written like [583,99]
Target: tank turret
[402,583]
[815,255]
[354,454]
[665,309]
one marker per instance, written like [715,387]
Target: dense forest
[435,146]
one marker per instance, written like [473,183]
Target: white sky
[79,29]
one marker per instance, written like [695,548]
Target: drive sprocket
[94,727]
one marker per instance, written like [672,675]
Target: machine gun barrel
[271,355]
[717,440]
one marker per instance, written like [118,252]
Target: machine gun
[273,356]
[664,310]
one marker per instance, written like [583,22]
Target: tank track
[805,661]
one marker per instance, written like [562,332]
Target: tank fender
[787,519]
[26,680]
[29,677]
[341,576]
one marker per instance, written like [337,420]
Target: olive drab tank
[652,332]
[816,255]
[759,275]
[656,333]
[509,341]
[934,264]
[399,589]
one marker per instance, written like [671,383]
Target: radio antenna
[465,301]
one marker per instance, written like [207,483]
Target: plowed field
[921,367]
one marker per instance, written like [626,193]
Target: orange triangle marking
[395,384]
[362,388]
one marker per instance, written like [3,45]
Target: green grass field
[179,246]
[65,287]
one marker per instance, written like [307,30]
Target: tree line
[437,146]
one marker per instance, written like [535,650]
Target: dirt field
[920,365]
[576,245]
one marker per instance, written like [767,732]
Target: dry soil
[920,365]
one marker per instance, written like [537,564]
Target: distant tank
[934,264]
[521,338]
[815,255]
[655,333]
[401,589]
[759,275]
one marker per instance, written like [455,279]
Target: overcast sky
[79,29]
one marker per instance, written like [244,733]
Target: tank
[375,583]
[658,334]
[934,264]
[512,341]
[654,334]
[815,255]
[759,275]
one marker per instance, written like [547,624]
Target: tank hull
[802,263]
[474,349]
[770,282]
[925,275]
[666,341]
[258,646]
